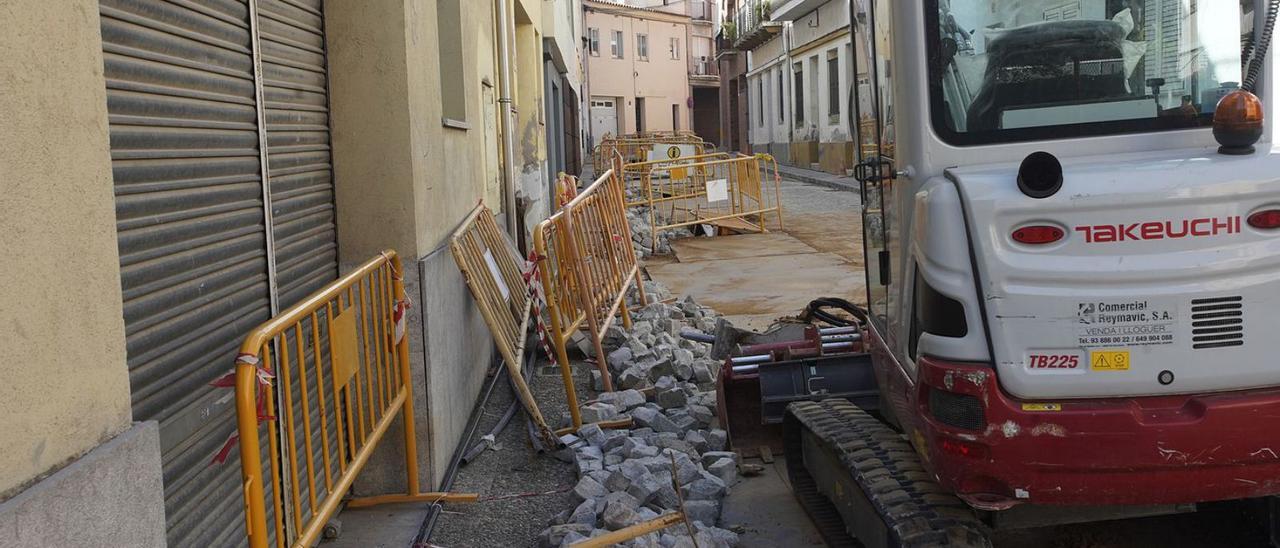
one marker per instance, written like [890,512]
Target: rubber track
[916,511]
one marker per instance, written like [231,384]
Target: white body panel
[949,203]
[1092,293]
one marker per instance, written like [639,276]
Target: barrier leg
[406,380]
[566,373]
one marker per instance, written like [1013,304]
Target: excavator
[1071,216]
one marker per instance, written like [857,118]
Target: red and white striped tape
[534,281]
[264,377]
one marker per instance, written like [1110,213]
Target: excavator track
[864,485]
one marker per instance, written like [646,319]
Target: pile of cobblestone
[642,233]
[673,452]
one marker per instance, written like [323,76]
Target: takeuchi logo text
[1161,230]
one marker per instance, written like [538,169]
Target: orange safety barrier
[495,276]
[336,366]
[739,194]
[587,266]
[636,148]
[639,174]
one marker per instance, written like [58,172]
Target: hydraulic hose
[1260,47]
[816,310]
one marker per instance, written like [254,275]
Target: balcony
[702,11]
[724,40]
[704,72]
[752,25]
[791,10]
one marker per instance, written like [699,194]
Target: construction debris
[674,451]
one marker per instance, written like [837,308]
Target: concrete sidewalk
[819,178]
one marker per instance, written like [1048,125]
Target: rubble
[672,451]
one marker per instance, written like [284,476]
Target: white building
[798,81]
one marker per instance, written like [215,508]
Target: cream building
[173,174]
[637,69]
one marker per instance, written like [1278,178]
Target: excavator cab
[1069,282]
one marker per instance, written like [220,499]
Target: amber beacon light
[1237,122]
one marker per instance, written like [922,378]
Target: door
[873,121]
[224,215]
[604,118]
[640,125]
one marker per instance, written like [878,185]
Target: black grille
[1217,322]
[958,410]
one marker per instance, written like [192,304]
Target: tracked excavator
[1071,218]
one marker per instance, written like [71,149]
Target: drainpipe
[505,32]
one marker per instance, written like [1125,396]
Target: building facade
[732,67]
[637,69]
[176,174]
[797,80]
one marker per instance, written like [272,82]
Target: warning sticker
[1142,322]
[1042,407]
[1109,360]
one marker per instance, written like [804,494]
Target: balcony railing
[704,67]
[752,25]
[751,14]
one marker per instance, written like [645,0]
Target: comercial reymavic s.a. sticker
[1138,322]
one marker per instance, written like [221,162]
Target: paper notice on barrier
[717,190]
[497,275]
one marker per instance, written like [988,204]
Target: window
[615,44]
[593,40]
[1057,69]
[642,47]
[675,48]
[782,96]
[833,86]
[797,91]
[811,87]
[453,82]
[675,117]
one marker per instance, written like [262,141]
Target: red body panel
[1152,450]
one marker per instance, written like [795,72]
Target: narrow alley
[640,273]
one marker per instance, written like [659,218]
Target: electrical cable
[446,483]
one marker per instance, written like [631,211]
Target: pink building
[637,69]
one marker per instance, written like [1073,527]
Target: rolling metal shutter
[295,87]
[196,251]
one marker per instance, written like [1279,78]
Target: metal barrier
[586,266]
[493,271]
[636,148]
[637,175]
[733,194]
[341,361]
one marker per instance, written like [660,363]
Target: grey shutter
[192,229]
[295,86]
[295,90]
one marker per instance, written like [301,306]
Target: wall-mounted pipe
[505,35]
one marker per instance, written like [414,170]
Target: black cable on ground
[446,483]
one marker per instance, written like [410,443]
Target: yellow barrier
[731,193]
[587,266]
[492,269]
[636,148]
[637,175]
[352,333]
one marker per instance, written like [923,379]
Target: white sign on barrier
[717,190]
[663,151]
